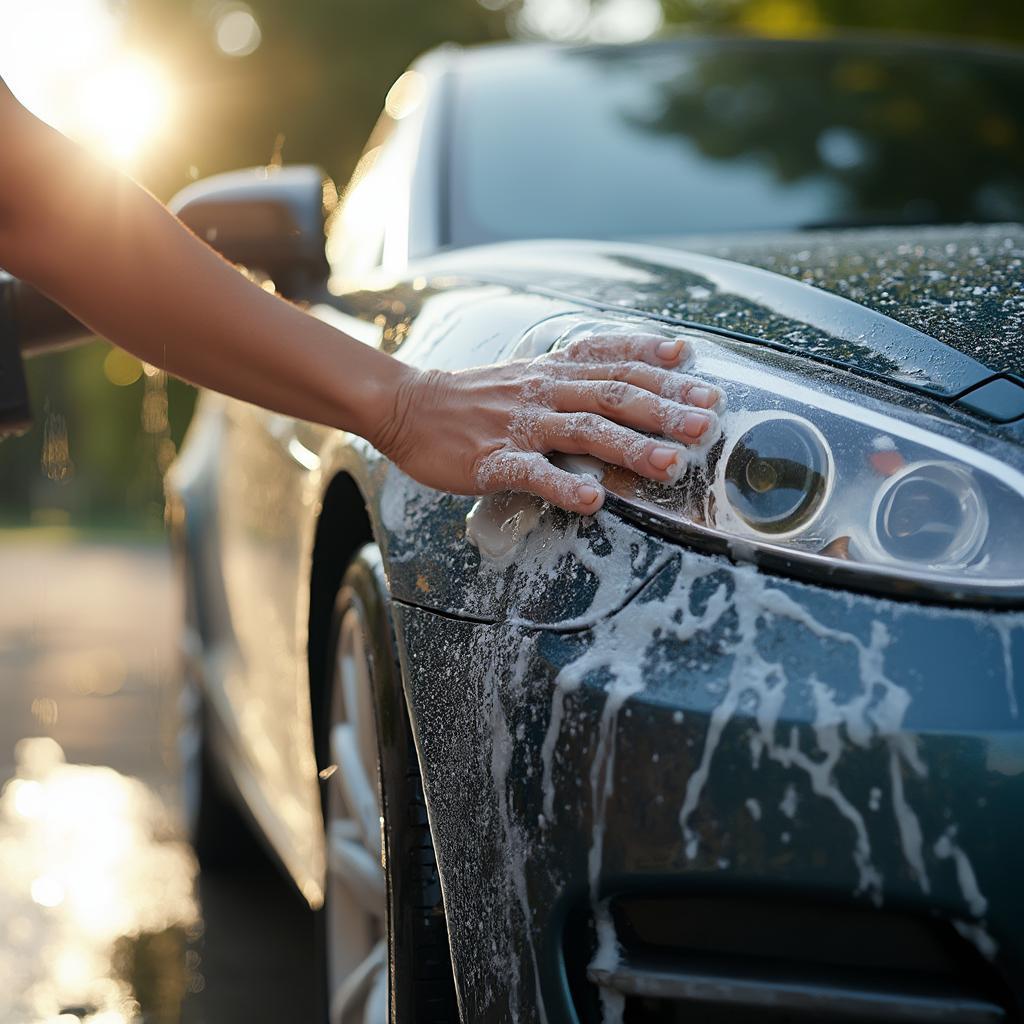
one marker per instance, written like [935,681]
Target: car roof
[516,56]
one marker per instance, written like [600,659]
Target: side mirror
[15,414]
[29,323]
[267,219]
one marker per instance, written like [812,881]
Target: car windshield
[680,138]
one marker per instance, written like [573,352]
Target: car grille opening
[743,960]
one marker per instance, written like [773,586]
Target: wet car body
[665,773]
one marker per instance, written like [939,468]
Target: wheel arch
[343,527]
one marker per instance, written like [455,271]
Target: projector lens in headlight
[822,474]
[776,474]
[931,513]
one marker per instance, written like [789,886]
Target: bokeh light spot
[28,798]
[783,18]
[45,711]
[121,368]
[236,31]
[47,891]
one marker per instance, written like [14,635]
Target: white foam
[946,848]
[789,802]
[498,525]
[1004,628]
[515,843]
[979,938]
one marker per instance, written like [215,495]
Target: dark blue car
[744,749]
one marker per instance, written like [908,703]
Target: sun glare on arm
[123,107]
[65,60]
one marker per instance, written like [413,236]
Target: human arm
[112,255]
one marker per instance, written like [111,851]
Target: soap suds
[563,686]
[979,938]
[872,715]
[515,842]
[1005,630]
[789,802]
[906,821]
[625,684]
[740,608]
[945,849]
[498,525]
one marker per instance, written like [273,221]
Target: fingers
[634,407]
[582,433]
[532,473]
[668,383]
[655,349]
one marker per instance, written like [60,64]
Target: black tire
[421,987]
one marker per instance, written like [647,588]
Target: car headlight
[822,474]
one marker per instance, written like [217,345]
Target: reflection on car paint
[96,895]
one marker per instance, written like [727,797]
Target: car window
[684,138]
[357,228]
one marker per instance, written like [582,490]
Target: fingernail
[669,350]
[703,396]
[695,423]
[662,458]
[588,494]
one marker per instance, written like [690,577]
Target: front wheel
[384,934]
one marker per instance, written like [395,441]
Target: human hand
[489,429]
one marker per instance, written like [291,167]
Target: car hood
[940,309]
[963,286]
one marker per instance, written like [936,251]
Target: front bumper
[721,778]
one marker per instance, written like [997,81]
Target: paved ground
[100,904]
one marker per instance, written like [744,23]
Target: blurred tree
[315,84]
[997,21]
[895,134]
[97,449]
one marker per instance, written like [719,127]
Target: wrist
[388,406]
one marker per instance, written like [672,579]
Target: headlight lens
[777,473]
[931,513]
[822,474]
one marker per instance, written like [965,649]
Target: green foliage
[318,79]
[997,21]
[88,458]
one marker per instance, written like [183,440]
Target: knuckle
[531,474]
[534,386]
[664,412]
[632,371]
[534,433]
[580,426]
[583,348]
[613,394]
[485,469]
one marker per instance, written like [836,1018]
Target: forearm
[117,260]
[127,269]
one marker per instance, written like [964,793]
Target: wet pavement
[103,916]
